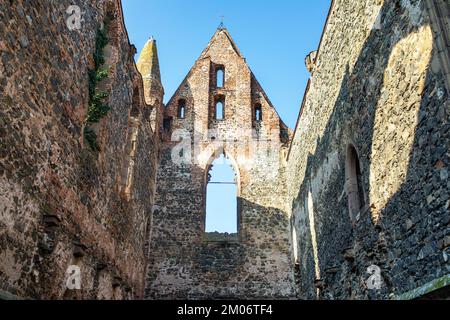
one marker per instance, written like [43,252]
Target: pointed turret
[148,66]
[148,63]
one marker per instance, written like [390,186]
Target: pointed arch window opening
[220,108]
[220,77]
[258,113]
[182,109]
[222,202]
[354,184]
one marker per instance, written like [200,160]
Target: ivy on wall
[98,108]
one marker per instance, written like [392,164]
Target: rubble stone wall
[62,204]
[377,91]
[185,262]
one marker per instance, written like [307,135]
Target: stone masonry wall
[376,85]
[185,262]
[365,186]
[62,204]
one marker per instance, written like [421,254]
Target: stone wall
[61,203]
[377,96]
[365,188]
[186,262]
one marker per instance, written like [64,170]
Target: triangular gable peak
[205,55]
[217,34]
[220,48]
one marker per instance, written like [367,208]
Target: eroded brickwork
[364,188]
[185,262]
[377,86]
[61,203]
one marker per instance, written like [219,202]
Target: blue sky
[221,200]
[274,36]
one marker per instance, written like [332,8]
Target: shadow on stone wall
[184,264]
[406,242]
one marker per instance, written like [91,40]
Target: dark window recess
[258,113]
[355,190]
[167,124]
[182,109]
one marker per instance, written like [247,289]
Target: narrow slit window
[258,113]
[220,110]
[220,77]
[295,245]
[354,188]
[182,109]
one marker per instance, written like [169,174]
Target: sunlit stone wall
[71,218]
[372,87]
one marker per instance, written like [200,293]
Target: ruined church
[103,186]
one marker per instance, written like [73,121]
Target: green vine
[98,108]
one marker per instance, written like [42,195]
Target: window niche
[131,146]
[111,30]
[167,124]
[258,115]
[181,109]
[354,188]
[112,24]
[220,76]
[219,108]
